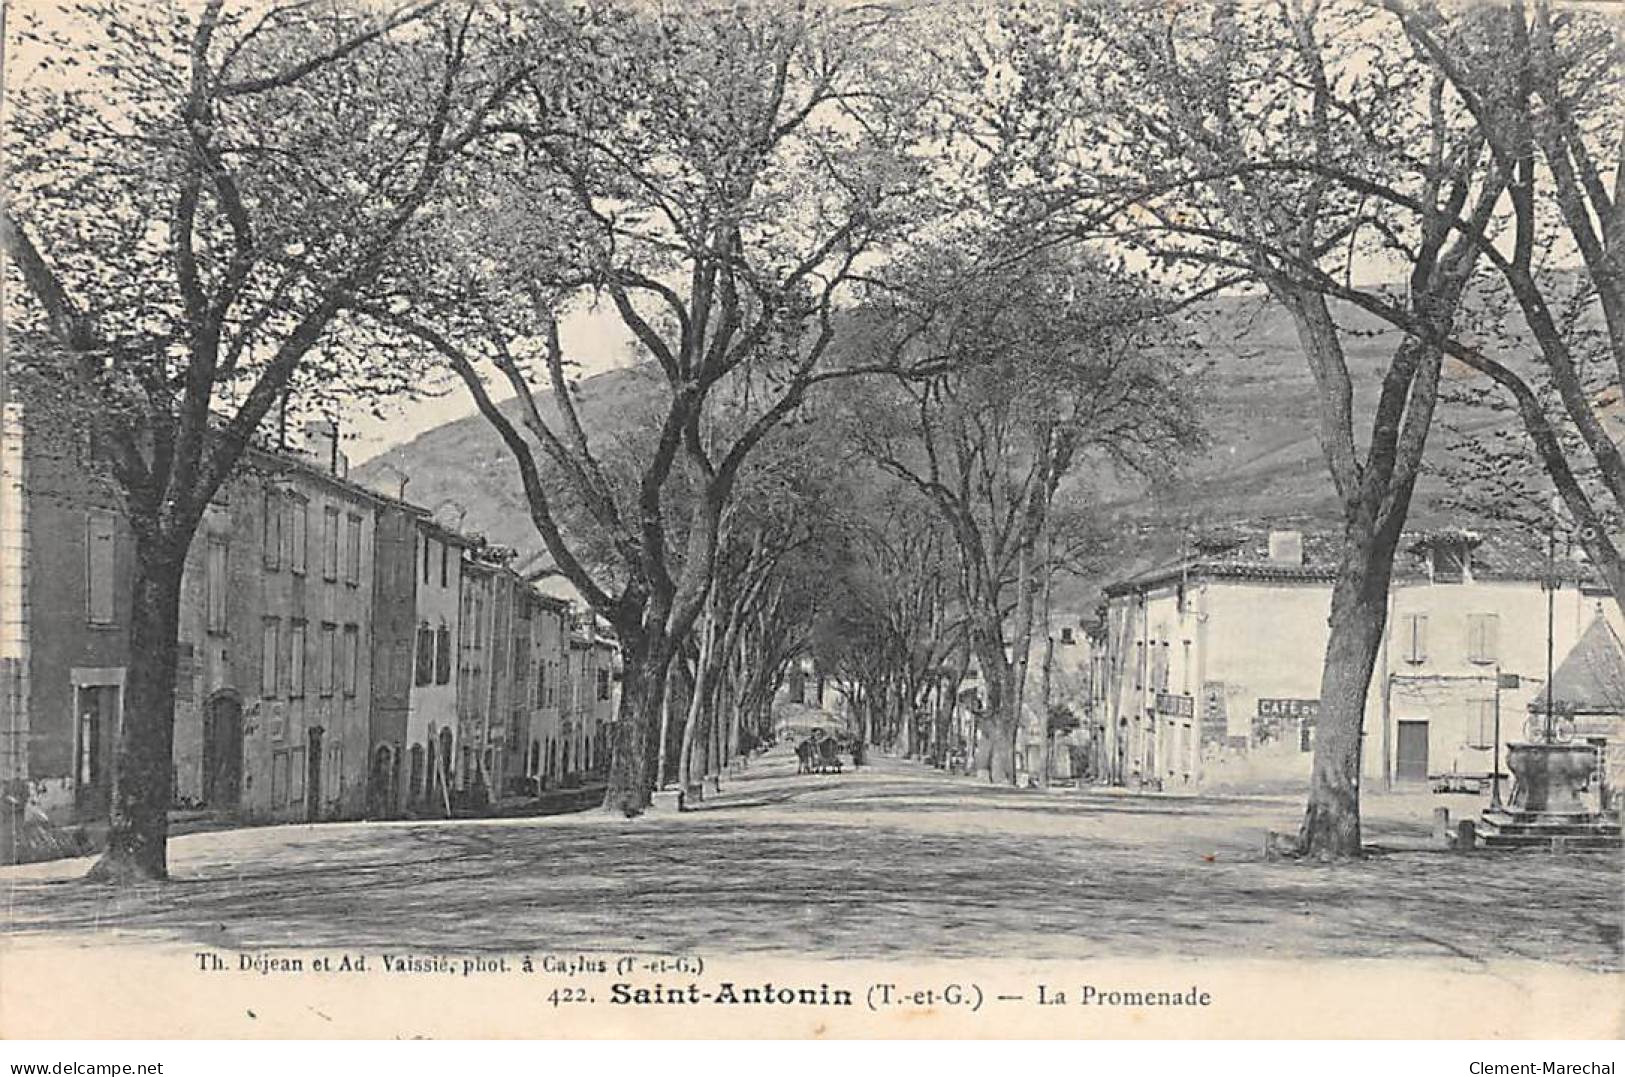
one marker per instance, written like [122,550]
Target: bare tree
[716,176]
[1041,365]
[188,219]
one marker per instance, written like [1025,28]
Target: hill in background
[1263,466]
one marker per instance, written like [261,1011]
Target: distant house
[542,731]
[1206,671]
[429,732]
[340,653]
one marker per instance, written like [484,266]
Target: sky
[592,336]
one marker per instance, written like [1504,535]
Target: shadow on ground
[890,861]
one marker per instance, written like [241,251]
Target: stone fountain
[1553,804]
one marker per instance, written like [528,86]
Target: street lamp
[1502,680]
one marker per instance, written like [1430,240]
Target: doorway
[97,707]
[223,752]
[382,788]
[414,783]
[313,776]
[1411,758]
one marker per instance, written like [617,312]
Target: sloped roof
[1496,555]
[1591,680]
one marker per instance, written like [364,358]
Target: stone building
[1206,671]
[431,719]
[274,693]
[66,563]
[539,724]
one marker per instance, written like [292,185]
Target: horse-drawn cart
[818,756]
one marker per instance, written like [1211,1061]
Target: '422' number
[561,996]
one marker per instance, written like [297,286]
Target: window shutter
[99,551]
[296,661]
[1417,650]
[268,647]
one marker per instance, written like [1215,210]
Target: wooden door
[1411,760]
[223,753]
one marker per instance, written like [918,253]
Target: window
[1066,636]
[352,552]
[270,637]
[427,545]
[352,658]
[279,778]
[1139,661]
[1159,667]
[271,529]
[541,683]
[444,559]
[215,583]
[329,669]
[330,544]
[100,544]
[442,655]
[1185,671]
[1483,637]
[296,660]
[1481,723]
[1415,641]
[603,684]
[297,509]
[479,618]
[424,672]
[1449,563]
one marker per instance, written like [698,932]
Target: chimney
[322,444]
[1286,547]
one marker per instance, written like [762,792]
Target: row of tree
[949,241]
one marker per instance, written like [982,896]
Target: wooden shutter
[100,546]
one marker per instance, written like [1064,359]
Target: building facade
[432,705]
[274,716]
[340,653]
[1207,671]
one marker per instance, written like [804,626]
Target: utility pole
[1495,772]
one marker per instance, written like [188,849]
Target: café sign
[1308,709]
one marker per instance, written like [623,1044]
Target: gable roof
[1591,679]
[1496,555]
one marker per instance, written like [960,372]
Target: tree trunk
[696,734]
[642,690]
[996,750]
[143,774]
[1331,824]
[1044,766]
[665,726]
[1023,650]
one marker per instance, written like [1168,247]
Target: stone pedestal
[1551,778]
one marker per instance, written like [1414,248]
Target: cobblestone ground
[892,860]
